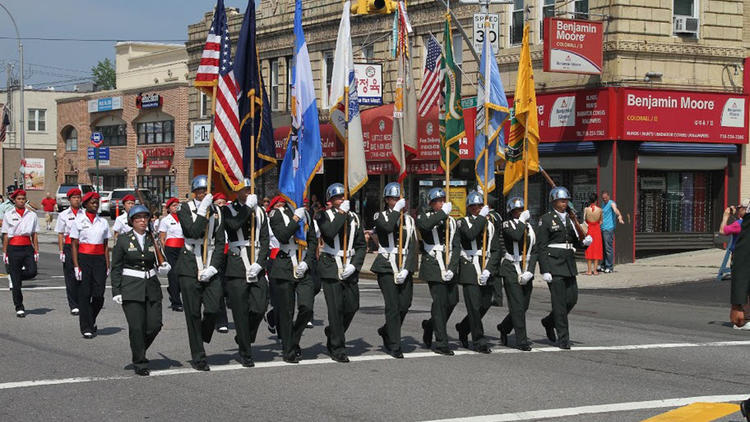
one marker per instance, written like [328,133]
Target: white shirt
[563,216]
[121,225]
[141,238]
[96,232]
[16,225]
[171,227]
[65,220]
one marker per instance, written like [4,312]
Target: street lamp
[21,114]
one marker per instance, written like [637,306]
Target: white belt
[466,253]
[138,274]
[562,246]
[433,249]
[337,252]
[511,258]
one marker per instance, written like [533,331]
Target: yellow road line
[696,412]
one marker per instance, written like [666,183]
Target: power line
[87,39]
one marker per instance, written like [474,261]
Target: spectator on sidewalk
[49,204]
[740,276]
[593,216]
[733,229]
[609,212]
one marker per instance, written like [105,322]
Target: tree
[104,75]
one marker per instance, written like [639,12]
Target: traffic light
[374,7]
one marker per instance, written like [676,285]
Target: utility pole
[21,111]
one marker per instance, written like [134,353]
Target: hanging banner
[573,46]
[34,174]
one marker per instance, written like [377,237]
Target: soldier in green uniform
[200,286]
[136,287]
[244,276]
[339,266]
[438,272]
[291,275]
[394,276]
[557,240]
[475,270]
[517,275]
[496,279]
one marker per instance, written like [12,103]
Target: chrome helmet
[199,182]
[514,203]
[559,193]
[435,193]
[335,189]
[392,189]
[474,198]
[245,183]
[138,209]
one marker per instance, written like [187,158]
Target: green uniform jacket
[512,234]
[186,265]
[429,270]
[388,222]
[467,273]
[558,262]
[327,267]
[244,220]
[498,246]
[741,265]
[127,253]
[282,267]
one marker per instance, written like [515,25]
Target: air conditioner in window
[685,25]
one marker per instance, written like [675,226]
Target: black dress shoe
[463,337]
[745,409]
[503,335]
[525,347]
[88,336]
[397,354]
[443,351]
[384,336]
[427,335]
[565,345]
[549,329]
[248,362]
[200,366]
[291,359]
[144,372]
[485,349]
[297,352]
[342,358]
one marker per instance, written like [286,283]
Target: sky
[61,62]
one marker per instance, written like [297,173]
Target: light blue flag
[304,151]
[492,112]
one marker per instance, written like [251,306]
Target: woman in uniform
[170,235]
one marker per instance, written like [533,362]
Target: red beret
[90,195]
[17,192]
[128,197]
[276,199]
[171,201]
[74,192]
[220,196]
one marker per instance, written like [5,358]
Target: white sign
[492,31]
[369,83]
[201,133]
[105,104]
[733,114]
[33,174]
[563,112]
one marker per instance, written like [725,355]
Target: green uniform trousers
[478,300]
[564,296]
[144,323]
[342,301]
[444,299]
[397,299]
[248,307]
[287,293]
[518,303]
[200,323]
[497,289]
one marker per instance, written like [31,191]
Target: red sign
[574,116]
[573,46]
[157,152]
[155,158]
[160,164]
[332,148]
[682,116]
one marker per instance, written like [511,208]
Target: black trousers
[342,301]
[201,304]
[444,300]
[397,299]
[144,323]
[288,294]
[222,319]
[248,306]
[478,300]
[91,290]
[173,289]
[71,284]
[21,266]
[518,303]
[564,296]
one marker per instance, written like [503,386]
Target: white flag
[404,138]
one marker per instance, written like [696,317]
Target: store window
[113,181]
[581,9]
[114,135]
[676,201]
[547,11]
[37,120]
[328,71]
[161,132]
[71,139]
[162,187]
[274,85]
[205,105]
[71,179]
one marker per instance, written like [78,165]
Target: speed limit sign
[480,32]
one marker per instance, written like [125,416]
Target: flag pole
[252,172]
[210,163]
[525,190]
[486,183]
[345,245]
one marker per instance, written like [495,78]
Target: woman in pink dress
[593,216]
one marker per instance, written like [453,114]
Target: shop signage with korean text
[369,83]
[105,104]
[573,46]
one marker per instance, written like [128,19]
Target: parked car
[104,202]
[117,195]
[62,198]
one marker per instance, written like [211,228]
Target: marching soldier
[65,221]
[292,276]
[395,278]
[557,241]
[496,279]
[340,261]
[438,272]
[475,270]
[136,287]
[517,278]
[90,238]
[198,282]
[20,246]
[122,225]
[245,281]
[170,235]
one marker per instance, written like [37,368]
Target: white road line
[600,408]
[372,358]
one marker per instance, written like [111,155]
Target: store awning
[377,130]
[552,148]
[332,148]
[686,148]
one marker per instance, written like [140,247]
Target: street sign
[97,139]
[103,153]
[491,32]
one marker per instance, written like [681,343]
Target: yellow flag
[524,122]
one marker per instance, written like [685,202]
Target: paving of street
[631,346]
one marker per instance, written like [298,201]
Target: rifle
[149,229]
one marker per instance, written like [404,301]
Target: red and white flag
[430,77]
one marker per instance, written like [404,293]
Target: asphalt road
[630,348]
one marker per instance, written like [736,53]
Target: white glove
[587,240]
[300,213]
[252,201]
[205,203]
[78,273]
[401,204]
[524,217]
[5,259]
[484,211]
[254,270]
[547,277]
[206,274]
[348,271]
[345,206]
[301,269]
[36,256]
[109,270]
[401,276]
[164,268]
[448,275]
[447,208]
[117,299]
[525,277]
[484,277]
[62,257]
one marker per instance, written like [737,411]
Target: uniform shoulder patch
[273,212]
[377,215]
[506,224]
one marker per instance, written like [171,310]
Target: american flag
[4,124]
[431,77]
[208,69]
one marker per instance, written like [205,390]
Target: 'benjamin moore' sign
[573,46]
[105,104]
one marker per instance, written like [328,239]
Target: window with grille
[114,135]
[516,26]
[156,132]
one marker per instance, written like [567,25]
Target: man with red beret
[170,235]
[121,222]
[90,235]
[65,221]
[20,246]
